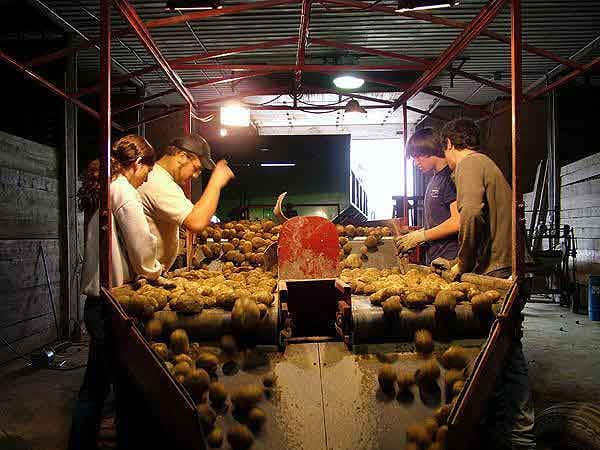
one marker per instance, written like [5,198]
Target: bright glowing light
[432,6]
[277,164]
[348,82]
[235,116]
[321,213]
[223,132]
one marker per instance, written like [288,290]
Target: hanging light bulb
[353,110]
[234,115]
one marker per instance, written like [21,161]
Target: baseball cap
[197,145]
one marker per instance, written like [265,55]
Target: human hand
[410,240]
[222,174]
[455,271]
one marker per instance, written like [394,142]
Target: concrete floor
[561,347]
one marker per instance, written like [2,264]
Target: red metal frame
[327,68]
[189,236]
[139,28]
[193,58]
[360,5]
[105,216]
[470,32]
[302,41]
[518,207]
[432,69]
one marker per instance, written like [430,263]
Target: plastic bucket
[594,297]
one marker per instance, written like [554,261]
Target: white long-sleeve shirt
[133,245]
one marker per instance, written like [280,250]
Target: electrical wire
[14,350]
[265,103]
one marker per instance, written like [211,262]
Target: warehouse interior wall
[29,224]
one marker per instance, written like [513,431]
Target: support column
[70,237]
[104,149]
[553,165]
[518,208]
[405,205]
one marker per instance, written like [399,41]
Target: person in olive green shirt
[484,203]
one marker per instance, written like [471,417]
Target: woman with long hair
[133,254]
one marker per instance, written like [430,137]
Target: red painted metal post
[302,41]
[518,208]
[105,222]
[131,16]
[405,136]
[470,32]
[189,236]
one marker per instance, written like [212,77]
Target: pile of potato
[241,243]
[373,239]
[196,368]
[416,290]
[189,292]
[430,434]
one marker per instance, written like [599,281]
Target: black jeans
[97,379]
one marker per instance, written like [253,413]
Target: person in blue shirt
[441,219]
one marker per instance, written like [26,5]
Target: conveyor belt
[212,323]
[368,323]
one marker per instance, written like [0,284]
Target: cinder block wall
[580,208]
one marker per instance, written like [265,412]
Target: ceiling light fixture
[419,5]
[223,132]
[193,5]
[353,107]
[348,82]
[234,115]
[277,164]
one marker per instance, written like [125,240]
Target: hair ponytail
[125,152]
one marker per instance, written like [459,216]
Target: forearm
[445,229]
[204,209]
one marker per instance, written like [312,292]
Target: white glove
[410,240]
[455,271]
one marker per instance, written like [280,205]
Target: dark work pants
[96,381]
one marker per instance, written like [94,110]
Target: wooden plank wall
[580,208]
[29,220]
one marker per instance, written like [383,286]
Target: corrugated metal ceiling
[562,27]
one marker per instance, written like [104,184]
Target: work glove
[410,240]
[455,271]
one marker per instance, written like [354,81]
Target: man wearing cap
[165,204]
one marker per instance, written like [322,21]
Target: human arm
[140,243]
[447,228]
[470,185]
[200,215]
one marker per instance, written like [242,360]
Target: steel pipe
[302,42]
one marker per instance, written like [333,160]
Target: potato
[180,342]
[423,342]
[416,299]
[428,372]
[246,397]
[387,378]
[371,242]
[455,357]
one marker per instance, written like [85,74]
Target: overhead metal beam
[64,23]
[591,46]
[361,5]
[422,62]
[52,87]
[197,15]
[194,84]
[302,42]
[131,16]
[548,88]
[470,32]
[167,112]
[292,67]
[198,57]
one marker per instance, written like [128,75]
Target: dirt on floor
[36,404]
